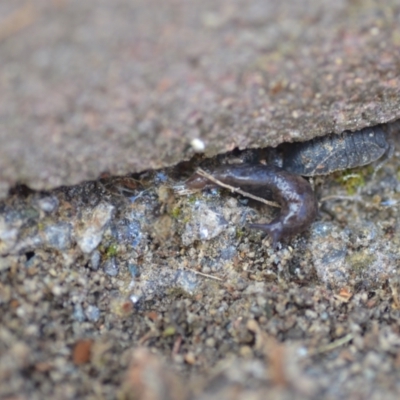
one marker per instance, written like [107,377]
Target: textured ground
[124,288]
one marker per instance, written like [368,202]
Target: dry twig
[205,275]
[331,346]
[233,189]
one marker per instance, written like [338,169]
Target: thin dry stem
[205,275]
[233,189]
[331,346]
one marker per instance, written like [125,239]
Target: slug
[327,154]
[298,203]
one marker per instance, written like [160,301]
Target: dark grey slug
[326,154]
[298,203]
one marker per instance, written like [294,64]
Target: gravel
[112,289]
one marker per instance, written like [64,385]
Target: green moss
[169,331]
[112,250]
[192,199]
[351,180]
[29,214]
[239,233]
[176,212]
[360,261]
[186,219]
[177,292]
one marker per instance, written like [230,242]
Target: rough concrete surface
[127,289]
[95,86]
[131,288]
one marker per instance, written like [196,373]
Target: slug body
[327,154]
[299,206]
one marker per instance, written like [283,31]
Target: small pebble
[91,227]
[92,313]
[134,270]
[81,351]
[95,260]
[48,204]
[110,267]
[58,236]
[78,313]
[198,145]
